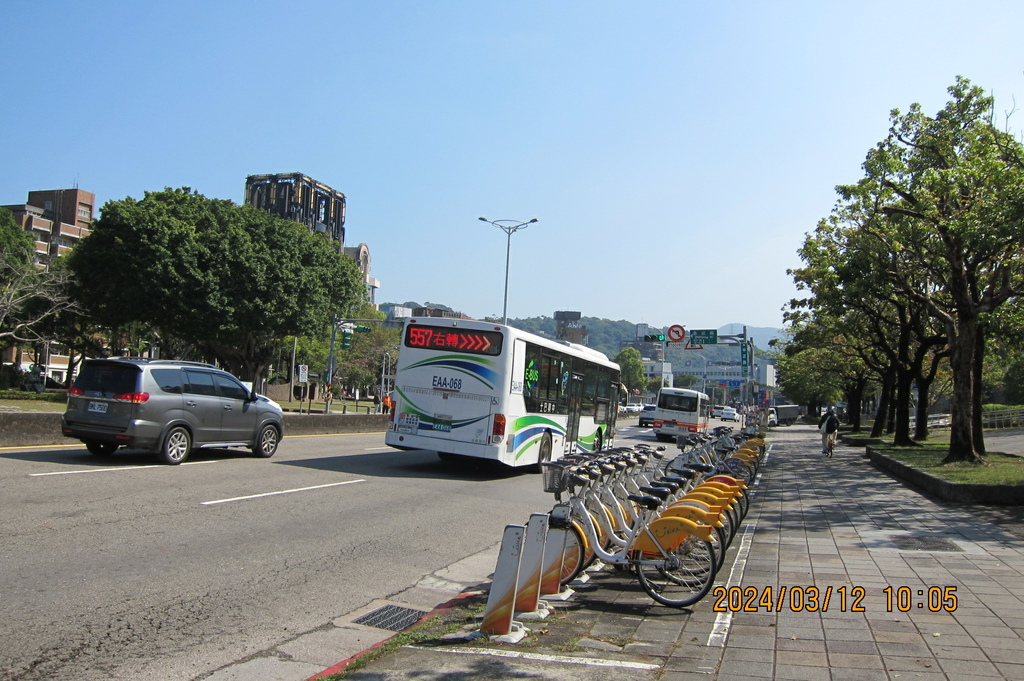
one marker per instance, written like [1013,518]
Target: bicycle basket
[552,474]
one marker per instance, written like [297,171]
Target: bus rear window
[677,402]
[449,339]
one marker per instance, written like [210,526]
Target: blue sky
[675,154]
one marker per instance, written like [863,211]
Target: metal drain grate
[910,543]
[391,617]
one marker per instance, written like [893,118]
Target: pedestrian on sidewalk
[829,427]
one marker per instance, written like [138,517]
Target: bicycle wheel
[739,469]
[576,556]
[684,577]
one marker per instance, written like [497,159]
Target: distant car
[169,408]
[716,412]
[729,414]
[647,415]
[634,408]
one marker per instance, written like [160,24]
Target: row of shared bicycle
[668,520]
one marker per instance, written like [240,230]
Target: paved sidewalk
[838,563]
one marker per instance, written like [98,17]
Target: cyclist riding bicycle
[829,427]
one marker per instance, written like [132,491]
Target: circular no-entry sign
[676,333]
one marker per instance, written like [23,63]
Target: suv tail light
[134,398]
[75,390]
[498,428]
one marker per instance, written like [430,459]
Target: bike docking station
[529,566]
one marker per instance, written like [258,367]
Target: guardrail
[1003,418]
[993,419]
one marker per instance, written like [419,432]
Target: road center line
[119,468]
[284,491]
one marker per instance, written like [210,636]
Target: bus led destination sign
[440,338]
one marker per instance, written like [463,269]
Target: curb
[447,606]
[1001,495]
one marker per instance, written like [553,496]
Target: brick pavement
[837,529]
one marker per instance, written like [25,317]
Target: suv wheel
[176,447]
[101,448]
[266,443]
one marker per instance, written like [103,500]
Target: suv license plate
[98,407]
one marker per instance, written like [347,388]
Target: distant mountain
[760,334]
[606,335]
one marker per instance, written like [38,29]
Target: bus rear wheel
[544,455]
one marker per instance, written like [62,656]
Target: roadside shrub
[49,396]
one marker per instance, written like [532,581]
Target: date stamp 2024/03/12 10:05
[821,599]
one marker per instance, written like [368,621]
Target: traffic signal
[346,339]
[363,329]
[655,337]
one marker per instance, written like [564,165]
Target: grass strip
[996,469]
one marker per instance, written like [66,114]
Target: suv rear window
[169,380]
[100,379]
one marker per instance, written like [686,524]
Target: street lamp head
[483,219]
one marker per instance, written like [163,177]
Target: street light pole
[510,227]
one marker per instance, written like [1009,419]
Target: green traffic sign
[703,337]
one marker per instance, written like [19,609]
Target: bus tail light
[498,428]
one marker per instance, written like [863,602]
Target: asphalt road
[114,567]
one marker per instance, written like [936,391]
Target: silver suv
[167,407]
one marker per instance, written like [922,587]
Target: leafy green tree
[361,365]
[228,279]
[631,369]
[684,380]
[15,243]
[943,196]
[1014,382]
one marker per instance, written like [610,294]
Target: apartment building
[57,219]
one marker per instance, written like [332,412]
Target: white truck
[783,415]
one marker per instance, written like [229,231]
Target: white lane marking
[591,662]
[284,491]
[720,631]
[120,468]
[375,449]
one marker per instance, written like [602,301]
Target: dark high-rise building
[568,327]
[295,196]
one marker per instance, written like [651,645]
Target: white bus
[479,389]
[680,412]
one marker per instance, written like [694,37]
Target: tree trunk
[885,397]
[853,403]
[901,410]
[921,420]
[890,414]
[977,422]
[962,343]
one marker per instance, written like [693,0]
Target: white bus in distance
[680,411]
[466,388]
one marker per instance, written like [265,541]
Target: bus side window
[590,381]
[532,385]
